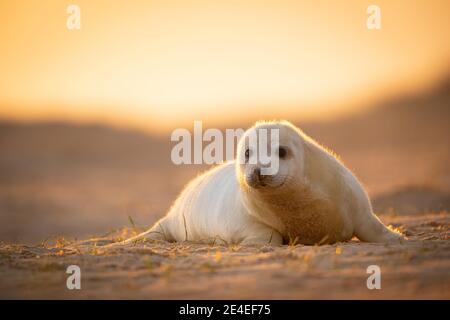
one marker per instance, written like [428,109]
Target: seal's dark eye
[282,152]
[247,154]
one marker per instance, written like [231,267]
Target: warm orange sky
[158,64]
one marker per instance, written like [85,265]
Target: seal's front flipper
[266,236]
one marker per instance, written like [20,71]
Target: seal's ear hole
[282,152]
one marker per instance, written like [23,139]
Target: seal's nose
[255,179]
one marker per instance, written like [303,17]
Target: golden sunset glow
[161,64]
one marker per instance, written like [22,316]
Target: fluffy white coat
[314,199]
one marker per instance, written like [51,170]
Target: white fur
[313,199]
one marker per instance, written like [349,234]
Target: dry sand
[81,180]
[417,269]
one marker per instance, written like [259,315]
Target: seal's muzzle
[256,179]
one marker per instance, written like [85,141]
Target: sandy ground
[80,181]
[416,269]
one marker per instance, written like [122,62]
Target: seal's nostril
[257,172]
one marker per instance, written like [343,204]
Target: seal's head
[269,156]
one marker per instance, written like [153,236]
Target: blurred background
[86,115]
